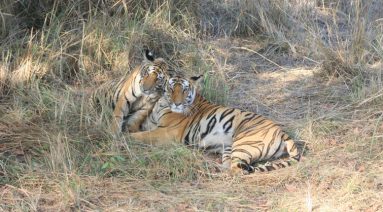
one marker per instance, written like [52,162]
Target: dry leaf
[291,188]
[332,141]
[361,168]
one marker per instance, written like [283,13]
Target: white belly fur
[218,139]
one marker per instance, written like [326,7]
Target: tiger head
[181,93]
[154,72]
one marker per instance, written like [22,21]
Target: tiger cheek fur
[177,96]
[149,83]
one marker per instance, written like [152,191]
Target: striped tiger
[243,138]
[132,97]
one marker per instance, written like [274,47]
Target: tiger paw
[238,169]
[235,171]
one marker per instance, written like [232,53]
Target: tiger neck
[200,103]
[136,83]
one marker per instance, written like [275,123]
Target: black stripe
[196,128]
[249,114]
[260,150]
[196,117]
[259,120]
[230,121]
[243,151]
[294,147]
[212,112]
[118,93]
[179,121]
[225,113]
[159,118]
[186,139]
[247,119]
[238,158]
[261,127]
[243,164]
[278,149]
[151,118]
[226,158]
[210,127]
[248,143]
[271,142]
[111,99]
[265,128]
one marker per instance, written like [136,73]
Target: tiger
[133,97]
[243,138]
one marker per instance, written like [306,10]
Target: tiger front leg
[135,121]
[119,111]
[158,136]
[117,124]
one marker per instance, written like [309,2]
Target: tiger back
[132,97]
[243,138]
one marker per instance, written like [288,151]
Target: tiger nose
[177,103]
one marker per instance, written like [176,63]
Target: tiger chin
[243,138]
[132,98]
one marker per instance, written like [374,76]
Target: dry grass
[314,66]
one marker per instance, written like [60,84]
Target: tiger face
[153,77]
[180,94]
[153,74]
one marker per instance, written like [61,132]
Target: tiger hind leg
[293,157]
[226,158]
[240,160]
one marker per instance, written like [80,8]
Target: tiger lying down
[243,138]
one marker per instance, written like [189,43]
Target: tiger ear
[148,55]
[198,81]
